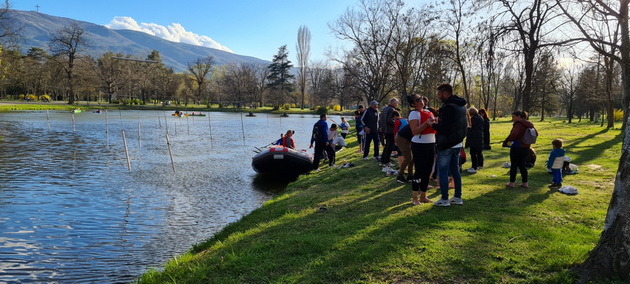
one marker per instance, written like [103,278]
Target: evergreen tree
[279,80]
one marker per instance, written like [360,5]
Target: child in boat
[288,141]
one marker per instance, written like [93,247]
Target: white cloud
[174,32]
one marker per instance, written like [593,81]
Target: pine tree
[279,80]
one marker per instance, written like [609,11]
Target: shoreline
[6,105]
[357,225]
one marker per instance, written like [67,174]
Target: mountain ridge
[37,28]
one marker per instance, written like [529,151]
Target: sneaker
[555,186]
[390,164]
[442,203]
[480,168]
[401,179]
[386,169]
[456,201]
[365,158]
[378,159]
[471,170]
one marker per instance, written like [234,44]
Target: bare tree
[609,259]
[370,31]
[531,23]
[569,86]
[200,70]
[65,45]
[303,52]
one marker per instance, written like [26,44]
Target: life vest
[288,144]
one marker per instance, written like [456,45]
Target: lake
[71,211]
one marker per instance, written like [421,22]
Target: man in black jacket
[451,128]
[386,126]
[370,120]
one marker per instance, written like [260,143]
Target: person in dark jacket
[474,140]
[518,150]
[359,127]
[386,126]
[486,129]
[370,122]
[320,138]
[451,127]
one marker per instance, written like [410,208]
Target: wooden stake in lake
[243,129]
[126,150]
[170,152]
[74,129]
[48,120]
[188,125]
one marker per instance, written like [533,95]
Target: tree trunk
[611,257]
[529,75]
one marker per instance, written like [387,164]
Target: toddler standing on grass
[555,163]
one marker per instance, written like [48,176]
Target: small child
[555,163]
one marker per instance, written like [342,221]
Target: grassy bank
[371,233]
[62,106]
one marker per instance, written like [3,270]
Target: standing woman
[475,140]
[486,129]
[518,150]
[422,148]
[345,127]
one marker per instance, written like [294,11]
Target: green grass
[9,105]
[372,234]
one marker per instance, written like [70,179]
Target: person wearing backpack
[519,141]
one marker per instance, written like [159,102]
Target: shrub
[321,110]
[293,105]
[286,106]
[21,97]
[32,97]
[45,98]
[337,108]
[618,115]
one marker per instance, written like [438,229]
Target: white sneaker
[387,169]
[390,164]
[456,201]
[442,203]
[471,170]
[365,158]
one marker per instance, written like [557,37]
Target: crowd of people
[429,143]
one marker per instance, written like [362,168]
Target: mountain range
[36,29]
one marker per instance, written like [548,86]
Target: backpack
[530,136]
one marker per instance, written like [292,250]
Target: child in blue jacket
[555,163]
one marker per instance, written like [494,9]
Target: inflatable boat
[282,161]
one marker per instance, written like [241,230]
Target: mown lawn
[371,233]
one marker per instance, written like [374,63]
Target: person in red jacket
[287,139]
[518,150]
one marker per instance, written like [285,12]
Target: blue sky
[248,27]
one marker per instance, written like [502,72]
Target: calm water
[71,211]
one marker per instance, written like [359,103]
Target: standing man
[451,127]
[386,126]
[359,127]
[320,138]
[370,121]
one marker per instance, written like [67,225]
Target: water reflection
[70,211]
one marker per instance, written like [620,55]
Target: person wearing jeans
[518,150]
[448,164]
[451,127]
[386,126]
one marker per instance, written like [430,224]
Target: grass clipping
[371,233]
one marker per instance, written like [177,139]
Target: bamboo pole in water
[139,134]
[126,150]
[188,125]
[243,129]
[106,128]
[210,125]
[170,152]
[48,120]
[159,121]
[166,122]
[74,129]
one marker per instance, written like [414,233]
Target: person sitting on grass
[555,163]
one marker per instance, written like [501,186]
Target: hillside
[36,30]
